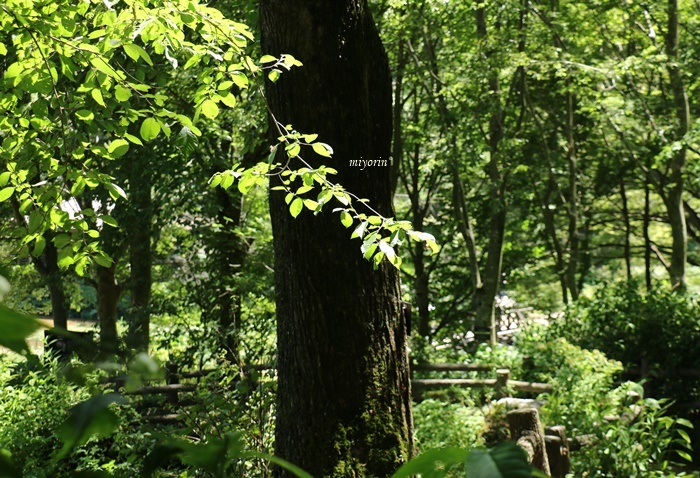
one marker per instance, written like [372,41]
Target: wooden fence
[163,403]
[502,381]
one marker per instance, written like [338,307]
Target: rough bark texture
[343,383]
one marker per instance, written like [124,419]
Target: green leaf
[118,148]
[85,115]
[433,463]
[122,94]
[150,128]
[368,249]
[209,109]
[15,328]
[322,149]
[115,191]
[96,94]
[228,99]
[506,460]
[103,260]
[61,240]
[388,251]
[36,219]
[296,207]
[91,417]
[267,59]
[345,219]
[359,230]
[310,204]
[293,150]
[6,193]
[39,246]
[135,52]
[375,220]
[109,220]
[686,456]
[246,182]
[274,75]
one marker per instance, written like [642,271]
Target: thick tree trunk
[343,385]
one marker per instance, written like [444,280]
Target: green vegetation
[234,204]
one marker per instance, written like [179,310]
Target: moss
[376,444]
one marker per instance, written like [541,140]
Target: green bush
[629,324]
[439,424]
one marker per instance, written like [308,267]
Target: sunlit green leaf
[296,207]
[150,128]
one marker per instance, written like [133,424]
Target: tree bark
[673,197]
[628,227]
[54,279]
[140,255]
[572,207]
[485,322]
[343,385]
[108,293]
[646,222]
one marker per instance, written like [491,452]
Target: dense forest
[358,238]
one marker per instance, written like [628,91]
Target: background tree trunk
[140,254]
[343,386]
[673,198]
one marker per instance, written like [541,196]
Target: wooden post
[557,451]
[526,431]
[502,377]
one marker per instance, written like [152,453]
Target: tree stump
[526,431]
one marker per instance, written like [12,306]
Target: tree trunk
[47,266]
[108,293]
[673,197]
[231,253]
[628,227]
[54,279]
[572,207]
[343,386]
[646,222]
[140,255]
[485,322]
